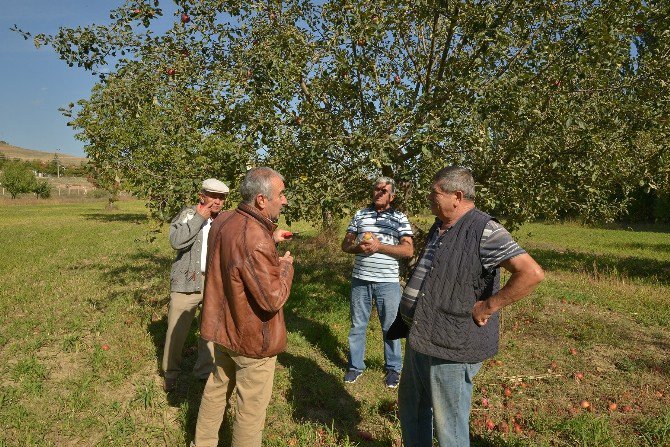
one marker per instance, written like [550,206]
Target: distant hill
[10,152]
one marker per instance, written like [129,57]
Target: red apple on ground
[485,402]
[365,435]
[579,376]
[105,347]
[626,408]
[573,351]
[612,406]
[490,425]
[503,427]
[517,428]
[507,392]
[585,404]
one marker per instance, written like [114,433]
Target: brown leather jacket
[246,285]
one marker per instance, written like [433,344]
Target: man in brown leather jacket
[246,286]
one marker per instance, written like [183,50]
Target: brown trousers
[180,317]
[253,379]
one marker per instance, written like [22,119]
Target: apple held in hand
[367,236]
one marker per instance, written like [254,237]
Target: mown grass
[83,301]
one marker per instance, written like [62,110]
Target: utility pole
[57,163]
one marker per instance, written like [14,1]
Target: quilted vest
[443,326]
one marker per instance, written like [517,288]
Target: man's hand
[287,257]
[526,275]
[481,313]
[369,246]
[282,235]
[204,210]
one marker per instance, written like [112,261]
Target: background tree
[42,189]
[560,108]
[17,178]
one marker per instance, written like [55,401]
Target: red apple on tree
[185,18]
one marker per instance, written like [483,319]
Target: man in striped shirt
[378,235]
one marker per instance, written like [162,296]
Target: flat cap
[214,185]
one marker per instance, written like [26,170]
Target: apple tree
[560,108]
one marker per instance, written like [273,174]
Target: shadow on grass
[136,218]
[594,265]
[651,246]
[319,397]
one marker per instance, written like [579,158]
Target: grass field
[83,302]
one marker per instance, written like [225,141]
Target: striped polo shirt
[388,226]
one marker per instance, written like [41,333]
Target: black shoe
[352,375]
[169,385]
[392,379]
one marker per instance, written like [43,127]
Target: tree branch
[447,44]
[429,66]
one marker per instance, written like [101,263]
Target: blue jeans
[439,391]
[387,296]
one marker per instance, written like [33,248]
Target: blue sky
[34,83]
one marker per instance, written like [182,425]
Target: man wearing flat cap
[188,236]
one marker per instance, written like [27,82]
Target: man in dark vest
[450,305]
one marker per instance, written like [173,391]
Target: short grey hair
[258,181]
[456,178]
[386,181]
